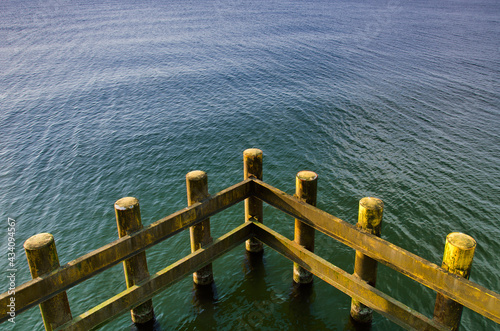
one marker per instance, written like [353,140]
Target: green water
[392,99]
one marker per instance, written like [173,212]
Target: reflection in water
[301,297]
[352,325]
[301,314]
[204,296]
[152,325]
[253,265]
[405,108]
[204,299]
[255,292]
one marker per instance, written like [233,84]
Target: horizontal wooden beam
[138,293]
[467,293]
[42,288]
[345,282]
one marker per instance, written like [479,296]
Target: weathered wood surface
[458,254]
[42,288]
[306,189]
[345,282]
[138,293]
[199,235]
[42,258]
[128,221]
[369,220]
[467,293]
[252,168]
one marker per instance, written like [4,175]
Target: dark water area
[393,99]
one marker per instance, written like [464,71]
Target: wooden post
[369,220]
[458,253]
[252,168]
[306,187]
[42,258]
[197,190]
[128,220]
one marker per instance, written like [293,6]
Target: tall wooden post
[42,258]
[369,220]
[306,187]
[197,190]
[458,254]
[252,167]
[128,220]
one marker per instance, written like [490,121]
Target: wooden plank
[42,288]
[142,291]
[467,293]
[345,282]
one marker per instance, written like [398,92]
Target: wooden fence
[50,281]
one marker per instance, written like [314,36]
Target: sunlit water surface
[393,99]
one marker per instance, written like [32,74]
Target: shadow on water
[253,265]
[152,325]
[204,296]
[204,304]
[301,297]
[253,294]
[300,314]
[270,308]
[261,306]
[203,299]
[352,325]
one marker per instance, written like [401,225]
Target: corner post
[370,221]
[197,190]
[458,254]
[42,258]
[306,187]
[252,168]
[128,220]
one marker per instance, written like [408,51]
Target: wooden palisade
[51,281]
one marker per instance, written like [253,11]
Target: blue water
[393,99]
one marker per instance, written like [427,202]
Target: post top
[371,203]
[38,241]
[307,175]
[252,152]
[461,240]
[196,175]
[126,203]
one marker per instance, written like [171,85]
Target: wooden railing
[46,287]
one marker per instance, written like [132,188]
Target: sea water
[394,99]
